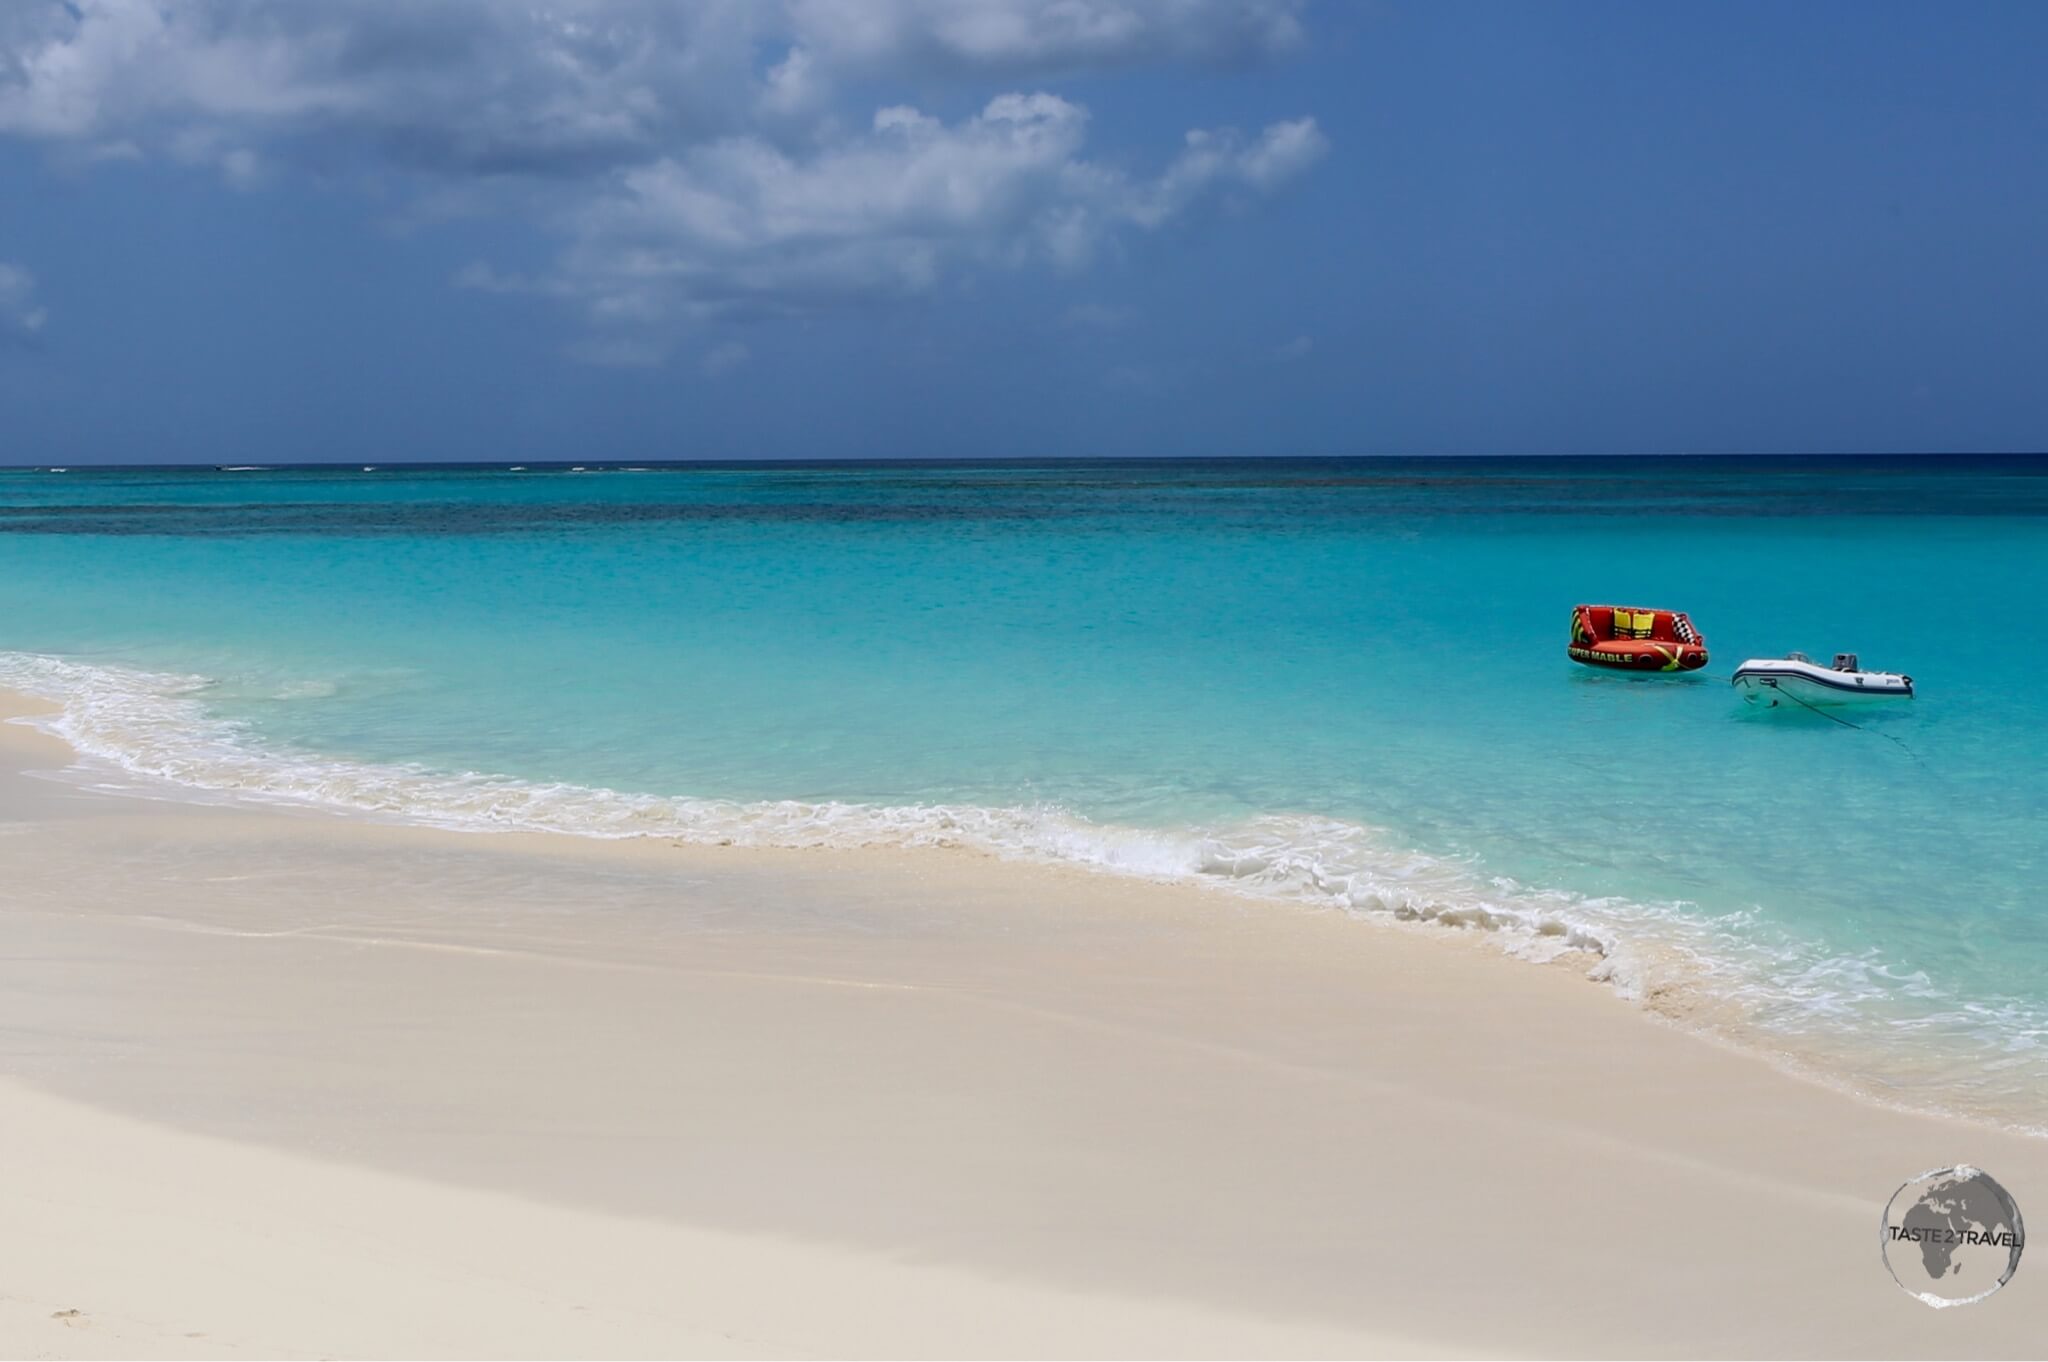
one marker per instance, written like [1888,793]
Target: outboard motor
[1846,662]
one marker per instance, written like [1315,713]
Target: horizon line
[623,465]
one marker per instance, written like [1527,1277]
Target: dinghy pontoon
[1798,680]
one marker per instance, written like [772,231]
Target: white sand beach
[278,1082]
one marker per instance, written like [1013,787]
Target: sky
[241,231]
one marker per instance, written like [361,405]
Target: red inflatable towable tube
[1630,638]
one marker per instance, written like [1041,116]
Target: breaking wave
[1731,973]
[157,725]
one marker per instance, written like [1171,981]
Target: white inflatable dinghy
[1798,680]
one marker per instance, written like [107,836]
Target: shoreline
[954,1105]
[1659,962]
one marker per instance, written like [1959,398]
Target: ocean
[1335,684]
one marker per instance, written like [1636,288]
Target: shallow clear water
[1343,681]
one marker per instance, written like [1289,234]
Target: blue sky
[235,231]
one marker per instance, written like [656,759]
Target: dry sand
[285,1083]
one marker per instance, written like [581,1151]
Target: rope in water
[1846,724]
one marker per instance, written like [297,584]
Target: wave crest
[156,725]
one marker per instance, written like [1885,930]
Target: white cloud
[1298,348]
[693,158]
[793,85]
[561,88]
[873,213]
[450,86]
[20,315]
[1210,159]
[742,223]
[1039,37]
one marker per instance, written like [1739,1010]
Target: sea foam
[152,732]
[157,726]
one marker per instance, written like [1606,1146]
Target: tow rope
[1846,724]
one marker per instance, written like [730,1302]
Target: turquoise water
[1339,682]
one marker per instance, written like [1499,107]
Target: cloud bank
[740,223]
[695,160]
